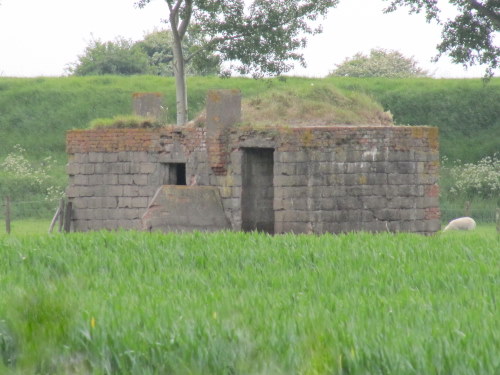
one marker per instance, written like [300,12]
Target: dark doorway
[174,174]
[257,196]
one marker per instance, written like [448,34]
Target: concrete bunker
[275,179]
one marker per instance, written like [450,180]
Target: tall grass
[234,303]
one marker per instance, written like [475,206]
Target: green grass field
[235,303]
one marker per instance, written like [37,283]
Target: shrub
[21,175]
[380,63]
[474,180]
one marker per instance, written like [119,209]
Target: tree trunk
[180,82]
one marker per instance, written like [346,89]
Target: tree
[152,55]
[380,63]
[469,38]
[260,38]
[118,57]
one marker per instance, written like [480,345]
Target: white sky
[40,38]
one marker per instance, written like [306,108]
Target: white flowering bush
[475,180]
[22,176]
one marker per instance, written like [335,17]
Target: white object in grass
[462,223]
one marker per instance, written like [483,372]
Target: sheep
[462,223]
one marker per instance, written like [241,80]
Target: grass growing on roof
[225,303]
[124,122]
[313,105]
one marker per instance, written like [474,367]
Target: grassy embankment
[36,112]
[228,303]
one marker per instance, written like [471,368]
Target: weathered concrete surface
[185,209]
[149,104]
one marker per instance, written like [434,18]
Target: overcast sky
[40,38]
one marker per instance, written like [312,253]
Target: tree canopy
[118,57]
[380,63]
[471,38]
[151,55]
[261,37]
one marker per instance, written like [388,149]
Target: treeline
[36,112]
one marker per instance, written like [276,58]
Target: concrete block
[85,191]
[125,179]
[129,191]
[349,203]
[357,167]
[114,191]
[96,157]
[401,179]
[94,202]
[95,179]
[286,169]
[81,158]
[110,157]
[401,155]
[142,156]
[135,168]
[80,203]
[355,215]
[294,157]
[147,168]
[387,214]
[412,214]
[191,208]
[125,156]
[87,168]
[73,168]
[426,202]
[140,179]
[374,202]
[80,179]
[109,202]
[149,104]
[223,110]
[124,202]
[118,168]
[139,202]
[110,179]
[102,168]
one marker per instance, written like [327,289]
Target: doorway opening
[257,196]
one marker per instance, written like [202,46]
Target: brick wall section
[326,179]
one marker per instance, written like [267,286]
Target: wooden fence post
[61,214]
[67,217]
[7,214]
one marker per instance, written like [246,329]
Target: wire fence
[28,209]
[481,211]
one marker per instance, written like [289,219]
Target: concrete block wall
[352,179]
[114,173]
[341,179]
